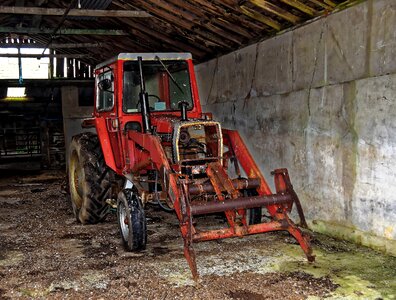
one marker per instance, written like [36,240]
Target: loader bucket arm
[278,204]
[283,186]
[155,155]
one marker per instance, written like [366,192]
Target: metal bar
[72,3]
[239,203]
[239,231]
[73,12]
[238,184]
[62,31]
[20,66]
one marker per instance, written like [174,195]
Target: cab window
[164,93]
[105,91]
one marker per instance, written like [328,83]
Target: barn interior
[309,85]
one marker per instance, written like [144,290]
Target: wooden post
[70,68]
[60,67]
[51,65]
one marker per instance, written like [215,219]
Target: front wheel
[131,220]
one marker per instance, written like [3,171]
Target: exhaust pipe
[183,110]
[143,98]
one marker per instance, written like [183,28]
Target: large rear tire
[89,179]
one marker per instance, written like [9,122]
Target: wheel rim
[77,180]
[123,221]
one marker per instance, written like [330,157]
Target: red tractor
[153,143]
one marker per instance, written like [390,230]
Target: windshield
[163,92]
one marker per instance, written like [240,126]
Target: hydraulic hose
[164,207]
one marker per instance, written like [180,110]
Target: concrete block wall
[73,115]
[321,101]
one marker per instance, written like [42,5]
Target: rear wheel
[131,220]
[89,179]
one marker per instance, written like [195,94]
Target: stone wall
[321,101]
[73,115]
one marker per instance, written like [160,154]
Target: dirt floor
[45,253]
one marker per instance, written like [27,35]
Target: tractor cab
[155,94]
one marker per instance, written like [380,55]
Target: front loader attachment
[192,192]
[230,200]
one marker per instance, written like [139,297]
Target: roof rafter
[67,31]
[25,10]
[280,12]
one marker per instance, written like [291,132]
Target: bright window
[32,68]
[16,92]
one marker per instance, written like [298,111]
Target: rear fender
[111,155]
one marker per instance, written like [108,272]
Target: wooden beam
[60,67]
[301,6]
[47,82]
[73,12]
[206,18]
[170,19]
[51,64]
[331,3]
[231,13]
[75,45]
[21,45]
[77,56]
[68,31]
[178,16]
[271,8]
[261,18]
[164,38]
[321,4]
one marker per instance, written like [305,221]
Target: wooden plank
[234,14]
[26,10]
[157,35]
[77,56]
[208,17]
[192,19]
[51,65]
[53,45]
[271,8]
[68,31]
[60,64]
[321,4]
[70,68]
[301,6]
[171,19]
[261,18]
[46,82]
[331,3]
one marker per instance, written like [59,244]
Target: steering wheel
[154,96]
